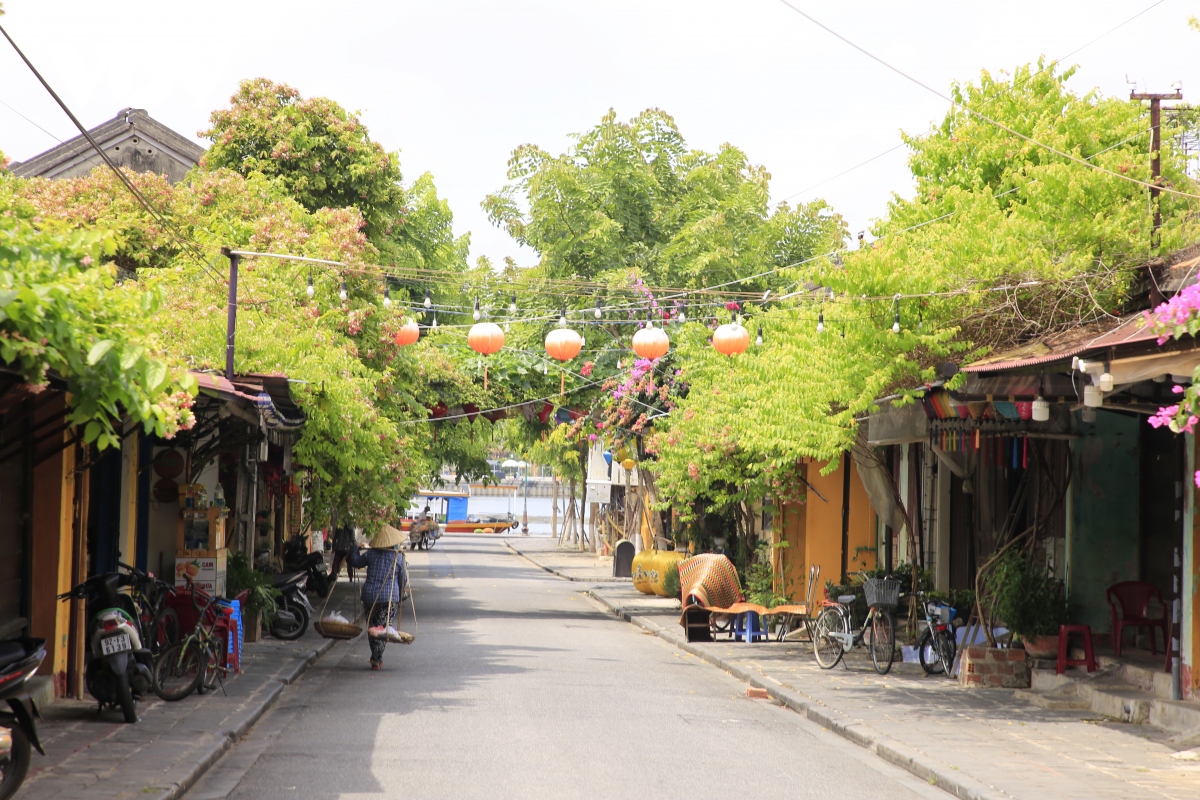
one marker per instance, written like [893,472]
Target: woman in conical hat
[384,585]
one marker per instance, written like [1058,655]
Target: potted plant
[261,596]
[1030,602]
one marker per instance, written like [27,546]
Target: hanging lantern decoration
[563,344]
[485,338]
[731,339]
[651,342]
[408,334]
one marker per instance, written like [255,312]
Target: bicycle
[833,633]
[194,663]
[159,624]
[936,646]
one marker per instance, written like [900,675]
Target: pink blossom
[1165,416]
[1197,479]
[592,437]
[1176,388]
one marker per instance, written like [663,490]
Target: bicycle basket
[882,592]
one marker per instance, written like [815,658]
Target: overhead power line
[146,204]
[985,118]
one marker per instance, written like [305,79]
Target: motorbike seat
[11,653]
[285,579]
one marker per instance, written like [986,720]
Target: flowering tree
[1178,317]
[62,314]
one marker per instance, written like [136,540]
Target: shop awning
[267,395]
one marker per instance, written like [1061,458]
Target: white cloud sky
[455,85]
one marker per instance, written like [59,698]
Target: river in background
[539,510]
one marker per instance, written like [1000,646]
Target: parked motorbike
[294,612]
[296,558]
[118,670]
[19,661]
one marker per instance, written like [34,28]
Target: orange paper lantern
[408,334]
[485,338]
[731,339]
[563,344]
[651,343]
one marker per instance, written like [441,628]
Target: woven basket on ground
[331,629]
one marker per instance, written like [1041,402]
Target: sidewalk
[972,743]
[92,755]
[544,552]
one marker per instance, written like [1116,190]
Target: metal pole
[845,513]
[525,512]
[231,324]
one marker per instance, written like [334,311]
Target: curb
[891,750]
[227,736]
[562,575]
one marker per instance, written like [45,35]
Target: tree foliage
[62,314]
[631,198]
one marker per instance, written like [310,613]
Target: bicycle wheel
[946,649]
[212,668]
[164,632]
[929,656]
[178,670]
[883,641]
[826,648]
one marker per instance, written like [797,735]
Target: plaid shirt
[385,578]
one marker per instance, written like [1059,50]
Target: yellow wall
[813,531]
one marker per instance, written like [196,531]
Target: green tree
[321,154]
[630,197]
[63,315]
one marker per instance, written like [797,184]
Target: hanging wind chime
[485,338]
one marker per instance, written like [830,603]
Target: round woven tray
[337,630]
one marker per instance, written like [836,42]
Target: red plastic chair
[1129,602]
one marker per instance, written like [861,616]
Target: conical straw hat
[388,538]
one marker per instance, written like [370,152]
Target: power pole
[1155,99]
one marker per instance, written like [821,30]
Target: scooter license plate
[116,644]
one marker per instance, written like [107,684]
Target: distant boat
[455,517]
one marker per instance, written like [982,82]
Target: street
[519,686]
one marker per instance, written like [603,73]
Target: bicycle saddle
[847,599]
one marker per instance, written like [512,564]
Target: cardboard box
[206,572]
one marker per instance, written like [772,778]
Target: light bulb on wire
[311,291]
[428,301]
[512,305]
[562,318]
[342,292]
[476,315]
[682,315]
[599,313]
[387,297]
[758,341]
[434,325]
[896,323]
[821,322]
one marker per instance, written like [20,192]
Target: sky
[456,85]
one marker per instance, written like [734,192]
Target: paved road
[518,686]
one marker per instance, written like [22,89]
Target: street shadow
[446,670]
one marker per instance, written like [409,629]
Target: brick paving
[91,755]
[975,743]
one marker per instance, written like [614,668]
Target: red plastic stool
[1089,658]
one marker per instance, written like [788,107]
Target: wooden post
[554,505]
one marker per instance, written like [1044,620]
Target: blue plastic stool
[748,627]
